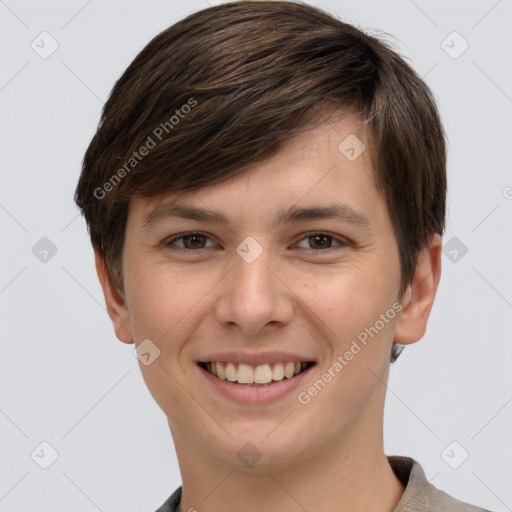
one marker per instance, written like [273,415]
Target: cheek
[361,319]
[169,303]
[357,306]
[159,299]
[350,301]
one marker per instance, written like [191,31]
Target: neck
[349,475]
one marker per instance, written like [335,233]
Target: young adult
[265,196]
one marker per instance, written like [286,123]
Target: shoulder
[420,495]
[439,500]
[172,503]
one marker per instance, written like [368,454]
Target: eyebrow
[290,215]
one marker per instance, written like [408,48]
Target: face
[270,316]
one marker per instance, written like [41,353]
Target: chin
[261,447]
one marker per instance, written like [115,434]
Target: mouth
[255,376]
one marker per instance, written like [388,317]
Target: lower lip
[246,394]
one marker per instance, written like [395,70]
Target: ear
[116,306]
[419,297]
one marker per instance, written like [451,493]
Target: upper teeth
[247,374]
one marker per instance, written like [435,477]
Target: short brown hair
[223,88]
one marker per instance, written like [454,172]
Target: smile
[261,375]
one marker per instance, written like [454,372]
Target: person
[265,196]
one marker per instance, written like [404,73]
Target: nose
[254,295]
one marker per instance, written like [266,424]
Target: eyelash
[341,241]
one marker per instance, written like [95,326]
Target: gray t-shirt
[419,495]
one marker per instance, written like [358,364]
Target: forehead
[327,165]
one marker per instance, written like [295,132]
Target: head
[249,109]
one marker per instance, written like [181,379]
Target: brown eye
[317,241]
[321,241]
[190,241]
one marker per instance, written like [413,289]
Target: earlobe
[115,303]
[420,294]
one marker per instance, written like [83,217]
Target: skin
[300,296]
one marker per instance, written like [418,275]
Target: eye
[197,240]
[320,240]
[191,241]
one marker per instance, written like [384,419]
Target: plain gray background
[67,381]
